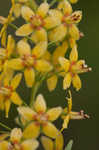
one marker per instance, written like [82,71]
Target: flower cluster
[39,54]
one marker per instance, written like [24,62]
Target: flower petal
[26,112]
[59,142]
[10,45]
[23,48]
[43,9]
[67,81]
[39,49]
[74,32]
[55,13]
[39,35]
[43,66]
[52,82]
[15,64]
[54,113]
[31,131]
[27,13]
[4,145]
[15,98]
[40,105]
[50,130]
[30,144]
[7,106]
[17,10]
[74,54]
[65,63]
[51,22]
[16,135]
[58,33]
[29,75]
[76,82]
[16,80]
[24,30]
[47,143]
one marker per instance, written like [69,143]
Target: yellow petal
[76,82]
[7,106]
[52,82]
[58,33]
[59,142]
[39,35]
[31,131]
[47,56]
[16,99]
[17,10]
[16,80]
[8,74]
[29,75]
[1,102]
[40,105]
[43,9]
[27,13]
[54,113]
[10,45]
[47,143]
[24,30]
[3,39]
[65,6]
[26,113]
[74,54]
[15,64]
[74,32]
[51,22]
[16,135]
[60,51]
[39,49]
[73,1]
[4,145]
[43,66]
[23,48]
[50,130]
[55,13]
[65,63]
[66,122]
[67,81]
[30,144]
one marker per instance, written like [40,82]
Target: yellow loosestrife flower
[71,114]
[16,142]
[40,119]
[29,60]
[8,94]
[72,68]
[48,144]
[68,19]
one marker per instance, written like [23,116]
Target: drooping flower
[48,144]
[29,60]
[39,119]
[8,93]
[69,114]
[16,142]
[69,19]
[72,68]
[37,22]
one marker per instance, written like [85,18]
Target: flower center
[29,61]
[6,91]
[41,118]
[36,21]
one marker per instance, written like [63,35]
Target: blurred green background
[84,133]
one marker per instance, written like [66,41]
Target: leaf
[69,145]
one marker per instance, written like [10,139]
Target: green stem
[3,125]
[52,3]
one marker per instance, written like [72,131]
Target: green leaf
[69,145]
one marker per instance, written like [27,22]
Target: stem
[3,125]
[33,5]
[52,3]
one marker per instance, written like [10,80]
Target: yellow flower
[72,68]
[17,143]
[37,22]
[48,144]
[73,1]
[29,60]
[39,120]
[5,53]
[59,51]
[6,23]
[69,114]
[8,94]
[68,19]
